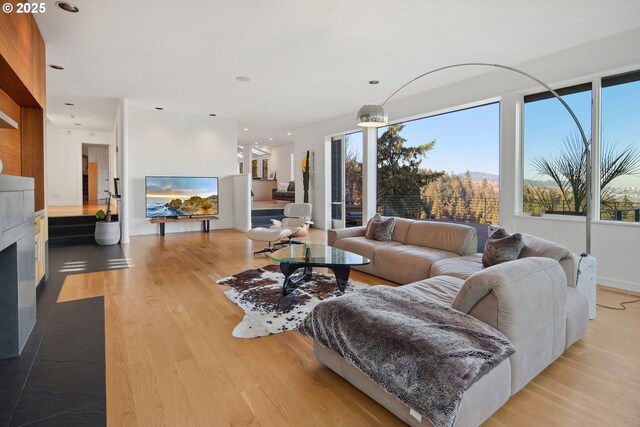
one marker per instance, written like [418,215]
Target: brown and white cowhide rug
[259,293]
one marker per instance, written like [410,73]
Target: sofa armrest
[524,299]
[341,233]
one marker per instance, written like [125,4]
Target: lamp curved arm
[585,140]
[505,67]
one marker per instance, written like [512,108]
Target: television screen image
[174,196]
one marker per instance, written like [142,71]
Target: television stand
[205,220]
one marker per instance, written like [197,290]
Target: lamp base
[587,281]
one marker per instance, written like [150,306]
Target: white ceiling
[308,61]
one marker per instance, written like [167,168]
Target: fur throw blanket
[425,354]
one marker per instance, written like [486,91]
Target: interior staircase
[73,230]
[263,217]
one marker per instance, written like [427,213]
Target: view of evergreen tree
[400,178]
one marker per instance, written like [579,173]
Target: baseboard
[618,284]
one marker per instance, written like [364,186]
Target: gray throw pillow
[380,228]
[502,247]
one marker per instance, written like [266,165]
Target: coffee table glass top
[317,254]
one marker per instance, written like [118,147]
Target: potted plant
[107,231]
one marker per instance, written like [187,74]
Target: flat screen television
[175,196]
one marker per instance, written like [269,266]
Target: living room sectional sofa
[531,300]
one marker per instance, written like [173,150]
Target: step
[74,220]
[267,212]
[78,239]
[71,229]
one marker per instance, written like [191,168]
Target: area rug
[259,293]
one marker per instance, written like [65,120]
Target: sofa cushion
[460,267]
[363,246]
[577,316]
[291,186]
[401,229]
[440,289]
[457,238]
[380,229]
[537,247]
[502,247]
[406,263]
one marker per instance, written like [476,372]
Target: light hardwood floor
[171,359]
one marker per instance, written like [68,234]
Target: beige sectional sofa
[414,247]
[532,301]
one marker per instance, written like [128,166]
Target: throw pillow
[502,247]
[283,186]
[380,228]
[377,218]
[292,186]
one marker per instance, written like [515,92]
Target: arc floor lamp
[374,115]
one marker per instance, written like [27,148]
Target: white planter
[107,233]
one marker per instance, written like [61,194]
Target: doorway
[346,180]
[95,174]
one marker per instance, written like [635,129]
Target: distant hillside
[479,176]
[544,184]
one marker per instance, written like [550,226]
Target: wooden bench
[204,219]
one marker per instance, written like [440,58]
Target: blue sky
[465,140]
[469,139]
[547,122]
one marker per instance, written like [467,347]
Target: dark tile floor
[59,379]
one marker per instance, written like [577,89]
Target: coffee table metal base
[340,271]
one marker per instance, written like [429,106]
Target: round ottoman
[269,235]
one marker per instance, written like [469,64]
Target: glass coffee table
[305,257]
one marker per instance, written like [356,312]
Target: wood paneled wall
[23,98]
[22,59]
[10,138]
[32,150]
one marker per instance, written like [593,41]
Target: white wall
[614,245]
[280,161]
[164,143]
[241,202]
[64,162]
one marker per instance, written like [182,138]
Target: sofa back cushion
[401,229]
[457,238]
[537,247]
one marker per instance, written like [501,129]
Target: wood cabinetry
[40,225]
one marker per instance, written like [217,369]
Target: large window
[554,167]
[441,167]
[620,148]
[554,157]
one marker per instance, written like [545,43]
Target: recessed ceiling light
[77,124]
[243,79]
[212,115]
[246,129]
[289,133]
[69,104]
[67,7]
[256,143]
[56,67]
[159,108]
[374,82]
[270,139]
